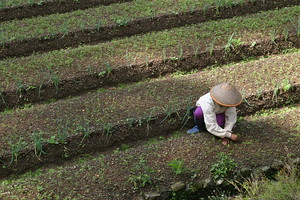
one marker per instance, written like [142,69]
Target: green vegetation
[285,186]
[224,168]
[55,66]
[99,110]
[118,14]
[141,175]
[177,166]
[131,169]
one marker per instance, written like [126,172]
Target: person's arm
[230,118]
[211,124]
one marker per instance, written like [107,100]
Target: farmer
[216,112]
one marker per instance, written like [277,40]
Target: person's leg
[198,121]
[199,118]
[221,119]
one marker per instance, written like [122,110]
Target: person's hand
[233,137]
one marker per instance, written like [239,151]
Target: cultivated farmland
[95,101]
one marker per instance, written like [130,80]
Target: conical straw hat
[226,95]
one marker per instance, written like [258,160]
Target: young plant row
[137,168]
[42,41]
[94,18]
[44,76]
[99,119]
[19,9]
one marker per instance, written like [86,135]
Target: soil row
[265,141]
[137,72]
[100,140]
[50,7]
[134,27]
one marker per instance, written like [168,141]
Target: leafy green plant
[122,22]
[177,166]
[224,167]
[38,142]
[141,175]
[286,85]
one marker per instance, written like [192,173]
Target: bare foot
[225,141]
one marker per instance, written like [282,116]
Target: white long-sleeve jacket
[210,109]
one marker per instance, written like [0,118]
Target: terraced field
[105,117]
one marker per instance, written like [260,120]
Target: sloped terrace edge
[124,132]
[207,187]
[50,7]
[138,26]
[135,73]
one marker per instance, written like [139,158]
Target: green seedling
[55,79]
[273,35]
[65,29]
[98,25]
[297,26]
[177,166]
[187,114]
[107,130]
[180,52]
[30,2]
[15,149]
[286,85]
[84,129]
[122,22]
[224,167]
[164,54]
[130,122]
[40,89]
[141,175]
[62,132]
[148,119]
[38,142]
[286,34]
[169,111]
[229,44]
[211,48]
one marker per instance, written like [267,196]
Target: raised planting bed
[70,30]
[67,72]
[50,133]
[11,9]
[267,140]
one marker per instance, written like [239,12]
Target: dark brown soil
[138,26]
[122,133]
[263,139]
[50,7]
[87,82]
